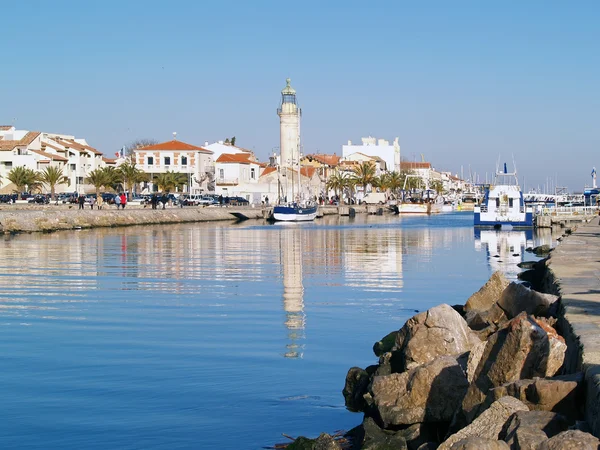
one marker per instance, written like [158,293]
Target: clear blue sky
[462,83]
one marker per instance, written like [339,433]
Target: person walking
[81,201]
[100,202]
[118,201]
[92,202]
[154,200]
[123,200]
[164,199]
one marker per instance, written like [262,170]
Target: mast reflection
[293,291]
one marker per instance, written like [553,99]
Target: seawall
[574,274]
[47,218]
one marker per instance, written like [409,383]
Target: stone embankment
[515,367]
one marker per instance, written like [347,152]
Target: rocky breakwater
[486,375]
[46,220]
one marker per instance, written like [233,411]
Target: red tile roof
[50,156]
[109,160]
[55,147]
[239,158]
[27,139]
[5,127]
[330,160]
[175,145]
[77,146]
[268,170]
[307,171]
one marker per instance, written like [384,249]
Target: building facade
[376,147]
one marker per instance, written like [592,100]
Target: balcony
[227,181]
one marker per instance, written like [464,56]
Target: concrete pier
[575,275]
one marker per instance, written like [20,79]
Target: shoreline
[24,218]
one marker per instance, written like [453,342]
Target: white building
[36,151]
[376,147]
[289,127]
[176,156]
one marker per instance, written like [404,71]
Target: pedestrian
[100,202]
[154,200]
[164,199]
[221,200]
[81,201]
[267,200]
[92,202]
[123,200]
[118,201]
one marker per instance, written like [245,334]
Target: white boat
[426,202]
[503,204]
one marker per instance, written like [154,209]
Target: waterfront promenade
[575,265]
[33,218]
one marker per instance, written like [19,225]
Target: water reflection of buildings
[291,247]
[505,249]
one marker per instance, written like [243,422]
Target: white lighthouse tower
[289,127]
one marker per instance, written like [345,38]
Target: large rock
[479,443]
[479,320]
[489,424]
[562,394]
[489,294]
[525,430]
[517,298]
[370,436]
[436,332]
[356,386]
[524,348]
[428,393]
[323,442]
[386,344]
[571,440]
[474,357]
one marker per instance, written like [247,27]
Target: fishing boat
[503,204]
[426,201]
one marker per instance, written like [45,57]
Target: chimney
[206,143]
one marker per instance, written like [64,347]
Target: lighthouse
[289,127]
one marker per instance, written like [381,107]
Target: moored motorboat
[295,212]
[503,204]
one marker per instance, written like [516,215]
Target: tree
[52,176]
[338,181]
[227,141]
[22,176]
[391,181]
[98,178]
[131,175]
[233,140]
[364,175]
[168,181]
[138,143]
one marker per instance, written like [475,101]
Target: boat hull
[481,220]
[419,208]
[294,213]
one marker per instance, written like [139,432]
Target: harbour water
[217,335]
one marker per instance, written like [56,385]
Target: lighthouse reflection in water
[293,290]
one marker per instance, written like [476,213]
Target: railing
[569,211]
[228,181]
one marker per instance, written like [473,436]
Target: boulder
[436,332]
[479,320]
[525,430]
[489,294]
[375,438]
[386,344]
[356,386]
[542,250]
[479,443]
[517,298]
[489,424]
[523,348]
[571,440]
[563,394]
[323,442]
[474,357]
[428,446]
[370,435]
[428,393]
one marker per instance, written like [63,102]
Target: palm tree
[364,175]
[338,181]
[168,181]
[391,181]
[99,178]
[131,175]
[52,176]
[23,176]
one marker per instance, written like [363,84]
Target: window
[167,160]
[221,173]
[73,166]
[184,160]
[8,164]
[252,174]
[150,160]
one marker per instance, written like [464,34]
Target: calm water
[216,335]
